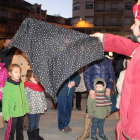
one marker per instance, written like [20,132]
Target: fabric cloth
[33,121]
[129,125]
[97,123]
[36,87]
[36,100]
[64,90]
[99,69]
[14,102]
[64,106]
[7,56]
[96,111]
[55,53]
[24,65]
[119,87]
[15,123]
[3,77]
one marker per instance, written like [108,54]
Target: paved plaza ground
[49,129]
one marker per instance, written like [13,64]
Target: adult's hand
[92,94]
[99,35]
[107,91]
[71,84]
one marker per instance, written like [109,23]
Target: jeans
[97,123]
[33,121]
[64,106]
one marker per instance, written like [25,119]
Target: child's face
[33,79]
[99,87]
[15,74]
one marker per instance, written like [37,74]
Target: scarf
[102,100]
[35,87]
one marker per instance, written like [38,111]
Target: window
[128,6]
[99,7]
[128,20]
[9,29]
[114,6]
[75,20]
[89,5]
[113,20]
[38,10]
[89,19]
[76,6]
[17,16]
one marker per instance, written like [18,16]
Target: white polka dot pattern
[54,52]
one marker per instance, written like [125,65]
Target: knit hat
[136,10]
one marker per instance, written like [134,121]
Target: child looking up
[14,103]
[99,108]
[37,104]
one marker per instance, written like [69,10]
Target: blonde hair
[10,68]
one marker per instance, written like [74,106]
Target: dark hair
[6,38]
[100,83]
[29,75]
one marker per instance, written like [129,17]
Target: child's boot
[1,121]
[30,135]
[36,135]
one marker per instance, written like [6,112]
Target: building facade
[13,12]
[107,16]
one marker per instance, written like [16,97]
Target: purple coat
[3,77]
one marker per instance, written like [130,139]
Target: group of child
[28,98]
[19,99]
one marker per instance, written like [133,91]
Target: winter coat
[98,112]
[8,56]
[23,63]
[99,69]
[119,87]
[36,100]
[3,77]
[81,87]
[14,102]
[129,124]
[64,90]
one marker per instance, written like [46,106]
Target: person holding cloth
[129,125]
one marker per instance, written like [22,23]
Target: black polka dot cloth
[54,52]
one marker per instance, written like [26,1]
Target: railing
[5,20]
[108,24]
[7,33]
[108,10]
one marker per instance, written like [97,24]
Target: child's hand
[7,120]
[45,108]
[71,84]
[107,93]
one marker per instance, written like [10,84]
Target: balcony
[5,20]
[118,24]
[107,10]
[6,33]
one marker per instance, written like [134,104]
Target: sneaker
[103,137]
[64,130]
[68,129]
[94,138]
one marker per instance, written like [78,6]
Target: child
[3,77]
[15,104]
[98,108]
[37,104]
[64,102]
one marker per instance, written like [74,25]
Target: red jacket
[129,124]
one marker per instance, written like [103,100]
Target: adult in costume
[129,125]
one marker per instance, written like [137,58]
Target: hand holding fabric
[90,116]
[99,35]
[107,92]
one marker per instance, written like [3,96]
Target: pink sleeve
[118,44]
